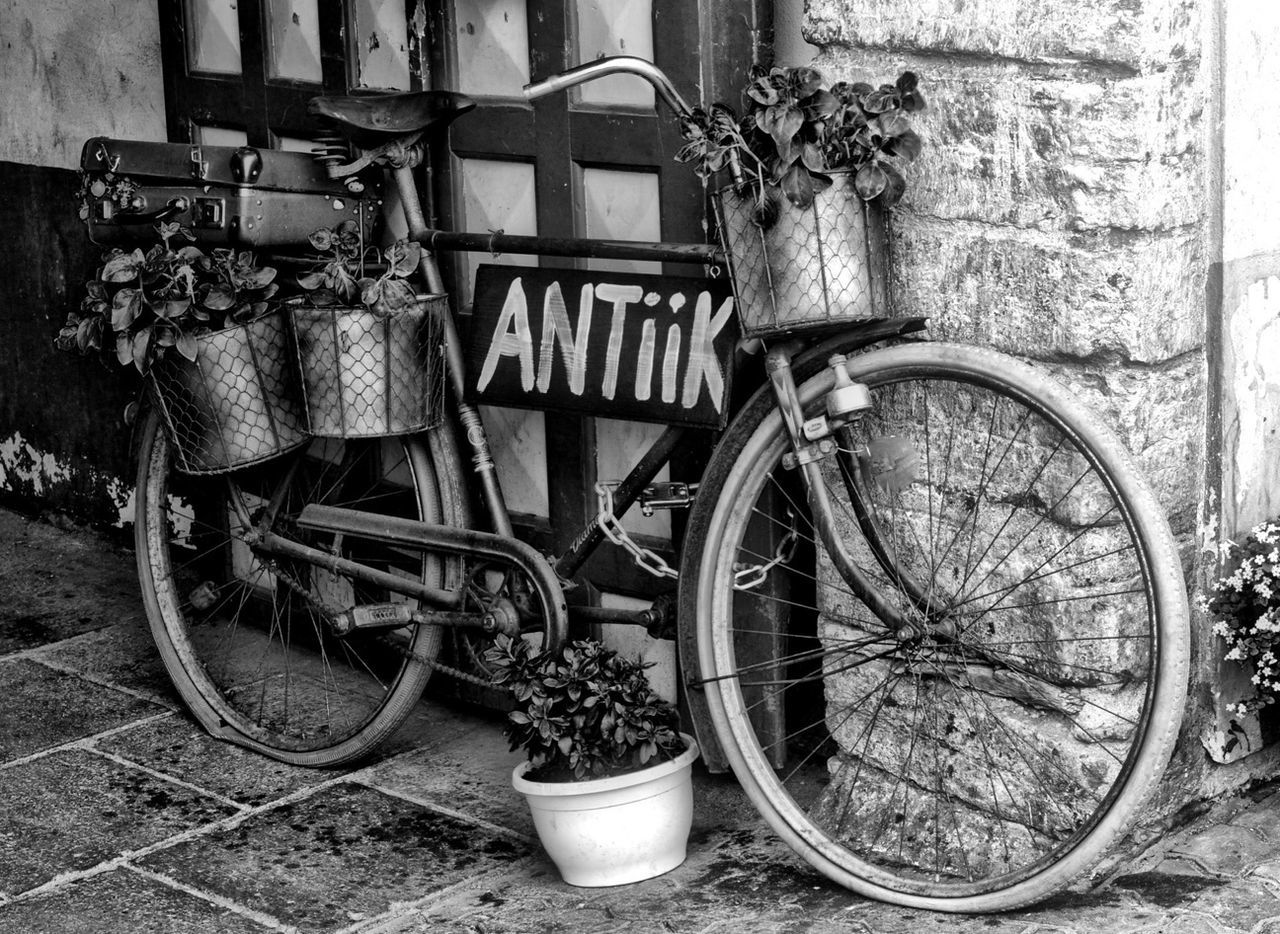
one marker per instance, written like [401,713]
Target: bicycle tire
[786,697]
[244,640]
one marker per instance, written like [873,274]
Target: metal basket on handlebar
[237,403]
[367,374]
[826,264]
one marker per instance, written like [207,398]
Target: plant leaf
[894,187]
[403,257]
[797,185]
[124,349]
[125,308]
[907,145]
[122,267]
[187,346]
[870,181]
[397,295]
[219,298]
[141,346]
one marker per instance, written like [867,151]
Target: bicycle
[940,619]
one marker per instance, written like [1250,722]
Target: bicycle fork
[812,441]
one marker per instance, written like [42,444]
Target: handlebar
[612,65]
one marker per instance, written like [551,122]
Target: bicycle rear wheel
[984,754]
[246,638]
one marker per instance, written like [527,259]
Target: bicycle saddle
[393,114]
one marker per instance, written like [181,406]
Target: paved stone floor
[118,815]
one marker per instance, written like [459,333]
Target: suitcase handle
[175,207]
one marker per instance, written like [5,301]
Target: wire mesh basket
[237,403]
[811,267]
[367,374]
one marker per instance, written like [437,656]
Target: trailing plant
[795,131]
[584,712]
[141,304]
[339,276]
[1246,607]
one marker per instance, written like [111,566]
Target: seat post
[482,457]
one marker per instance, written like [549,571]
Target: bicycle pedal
[373,616]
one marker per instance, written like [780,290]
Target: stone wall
[1060,212]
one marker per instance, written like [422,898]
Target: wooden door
[596,162]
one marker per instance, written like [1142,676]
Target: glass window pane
[615,27]
[493,47]
[214,30]
[497,196]
[619,445]
[294,144]
[622,206]
[293,27]
[500,196]
[220,136]
[381,44]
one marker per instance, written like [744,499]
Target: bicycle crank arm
[426,536]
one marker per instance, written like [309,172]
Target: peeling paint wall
[68,71]
[72,70]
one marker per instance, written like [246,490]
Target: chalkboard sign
[621,345]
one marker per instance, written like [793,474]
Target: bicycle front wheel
[982,751]
[246,638]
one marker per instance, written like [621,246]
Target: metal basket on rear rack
[805,268]
[366,374]
[237,403]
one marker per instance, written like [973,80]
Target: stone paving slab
[119,656]
[41,708]
[177,746]
[71,810]
[470,775]
[342,855]
[122,902]
[57,584]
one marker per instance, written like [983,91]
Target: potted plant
[204,330]
[811,169]
[368,343]
[1245,605]
[608,776]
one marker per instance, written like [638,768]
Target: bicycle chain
[329,612]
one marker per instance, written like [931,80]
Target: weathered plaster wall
[68,71]
[1061,212]
[1247,321]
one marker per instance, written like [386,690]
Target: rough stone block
[1138,297]
[1158,413]
[1136,35]
[1050,147]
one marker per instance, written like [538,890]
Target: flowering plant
[1246,605]
[795,131]
[583,712]
[141,304]
[339,275]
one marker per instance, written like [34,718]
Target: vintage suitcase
[228,196]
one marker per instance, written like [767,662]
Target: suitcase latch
[199,166]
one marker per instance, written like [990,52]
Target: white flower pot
[611,831]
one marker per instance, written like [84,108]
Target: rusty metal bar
[584,247]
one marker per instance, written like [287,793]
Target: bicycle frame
[652,461]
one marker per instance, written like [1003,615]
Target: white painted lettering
[703,364]
[511,338]
[555,328]
[670,364]
[644,366]
[621,296]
